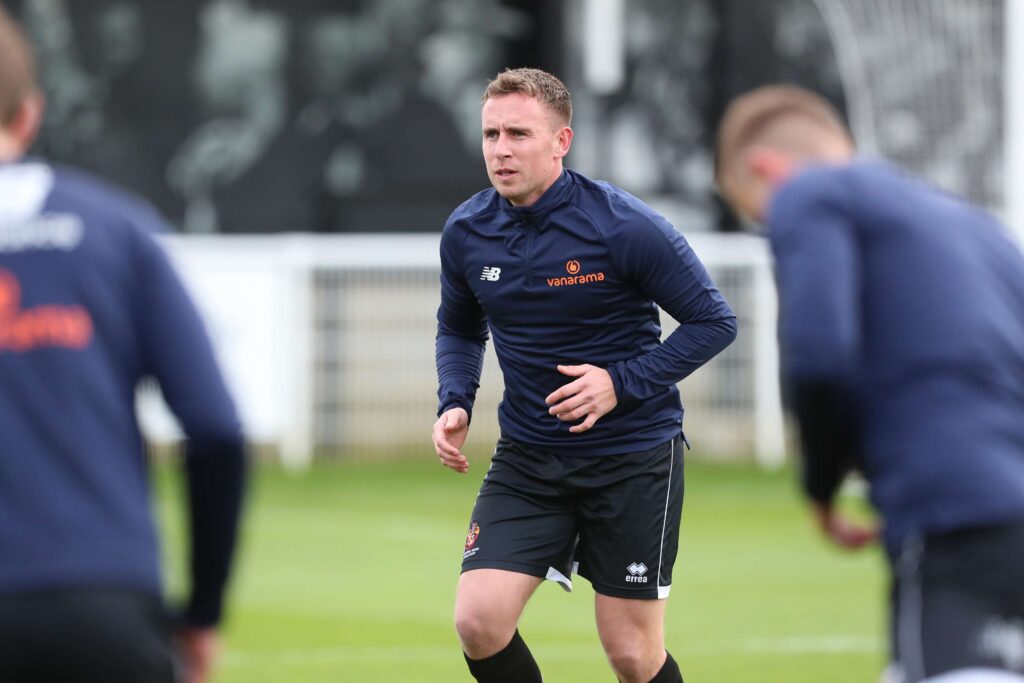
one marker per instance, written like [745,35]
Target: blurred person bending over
[565,272]
[89,305]
[902,333]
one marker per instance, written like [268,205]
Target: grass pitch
[347,573]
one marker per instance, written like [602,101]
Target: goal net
[924,84]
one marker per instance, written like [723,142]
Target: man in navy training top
[902,333]
[89,305]
[565,272]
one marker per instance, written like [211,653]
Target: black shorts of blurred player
[958,607]
[85,636]
[614,520]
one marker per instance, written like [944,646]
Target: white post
[297,276]
[604,45]
[1013,127]
[769,427]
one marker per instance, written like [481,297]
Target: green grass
[347,573]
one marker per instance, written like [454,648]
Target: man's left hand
[591,395]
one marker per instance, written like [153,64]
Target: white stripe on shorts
[664,590]
[561,579]
[910,612]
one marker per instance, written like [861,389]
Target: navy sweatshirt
[902,332]
[89,305]
[574,279]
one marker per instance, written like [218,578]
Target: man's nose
[501,147]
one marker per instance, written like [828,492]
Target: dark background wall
[349,115]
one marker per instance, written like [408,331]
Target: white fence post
[1013,126]
[769,431]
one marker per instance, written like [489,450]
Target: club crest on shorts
[474,533]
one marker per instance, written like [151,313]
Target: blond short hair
[750,118]
[17,68]
[535,83]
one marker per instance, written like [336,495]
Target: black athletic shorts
[613,519]
[958,603]
[85,636]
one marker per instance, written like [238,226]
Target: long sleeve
[829,443]
[461,332]
[215,474]
[180,357]
[819,331]
[659,261]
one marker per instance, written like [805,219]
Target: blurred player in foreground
[565,272]
[902,333]
[89,305]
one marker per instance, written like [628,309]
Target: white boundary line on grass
[788,646]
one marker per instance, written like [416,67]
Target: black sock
[669,671]
[514,664]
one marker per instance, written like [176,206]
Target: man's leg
[629,535]
[488,605]
[523,528]
[633,636]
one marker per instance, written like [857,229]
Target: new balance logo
[490,273]
[636,573]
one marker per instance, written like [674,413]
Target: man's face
[523,145]
[752,184]
[748,201]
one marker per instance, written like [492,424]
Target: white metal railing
[328,341]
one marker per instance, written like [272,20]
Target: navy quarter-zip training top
[574,279]
[907,305]
[89,306]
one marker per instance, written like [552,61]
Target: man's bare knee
[632,635]
[635,662]
[482,634]
[487,609]
[628,662]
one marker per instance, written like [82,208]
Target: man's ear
[768,164]
[26,122]
[563,142]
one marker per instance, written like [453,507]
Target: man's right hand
[198,648]
[450,433]
[840,530]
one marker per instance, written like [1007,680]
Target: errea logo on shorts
[490,273]
[636,573]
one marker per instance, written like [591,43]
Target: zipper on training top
[530,231]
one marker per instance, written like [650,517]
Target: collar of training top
[553,197]
[24,188]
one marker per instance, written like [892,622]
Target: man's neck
[548,186]
[10,150]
